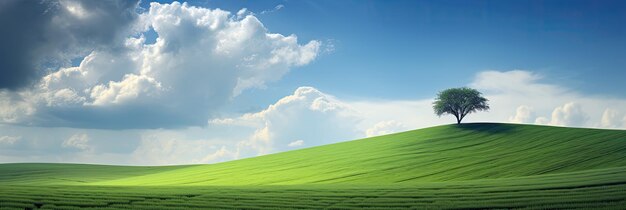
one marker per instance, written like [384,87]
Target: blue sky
[151,83]
[389,47]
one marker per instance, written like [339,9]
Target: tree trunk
[458,120]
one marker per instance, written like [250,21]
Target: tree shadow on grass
[491,128]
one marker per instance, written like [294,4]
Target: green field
[469,166]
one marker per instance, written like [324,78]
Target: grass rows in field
[310,198]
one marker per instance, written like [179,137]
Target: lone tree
[459,102]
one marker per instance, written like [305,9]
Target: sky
[162,83]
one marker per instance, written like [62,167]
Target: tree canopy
[459,102]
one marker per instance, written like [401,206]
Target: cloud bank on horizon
[132,100]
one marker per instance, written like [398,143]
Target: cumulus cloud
[78,141]
[201,59]
[385,127]
[130,88]
[38,35]
[523,114]
[612,118]
[542,121]
[307,115]
[570,114]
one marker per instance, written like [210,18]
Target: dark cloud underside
[37,35]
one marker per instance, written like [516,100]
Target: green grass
[455,167]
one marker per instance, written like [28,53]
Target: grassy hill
[480,165]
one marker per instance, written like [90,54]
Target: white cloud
[570,114]
[200,60]
[307,115]
[296,143]
[65,96]
[385,127]
[519,83]
[130,88]
[9,140]
[523,114]
[78,141]
[612,118]
[542,121]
